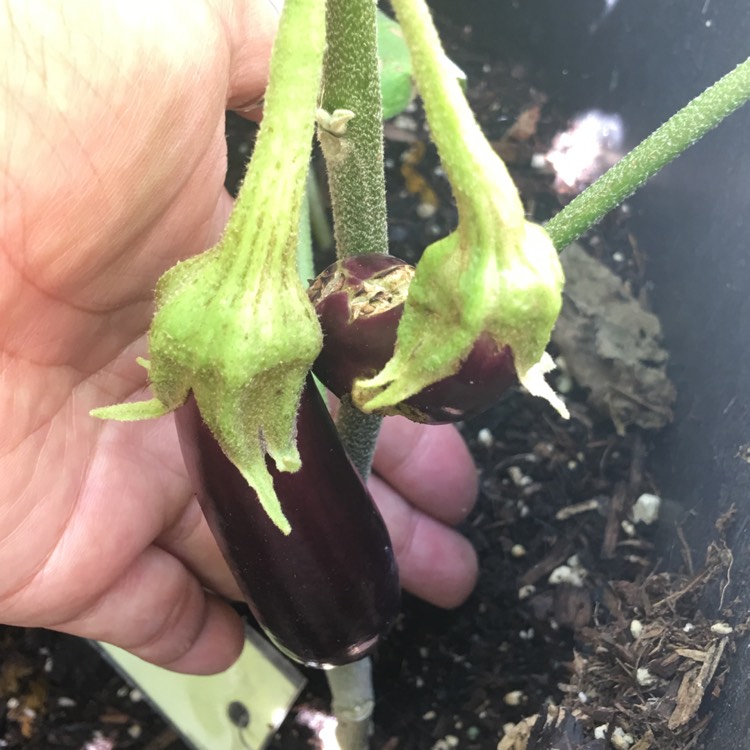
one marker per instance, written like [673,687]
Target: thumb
[251,25]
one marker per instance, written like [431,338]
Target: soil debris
[612,345]
[652,656]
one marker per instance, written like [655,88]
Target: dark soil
[622,646]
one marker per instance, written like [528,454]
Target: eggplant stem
[359,433]
[353,703]
[357,182]
[667,142]
[354,158]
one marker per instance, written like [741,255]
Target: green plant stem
[259,218]
[359,433]
[682,130]
[484,190]
[351,81]
[357,181]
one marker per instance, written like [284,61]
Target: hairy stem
[351,80]
[357,180]
[358,432]
[682,130]
[355,163]
[279,166]
[356,176]
[485,193]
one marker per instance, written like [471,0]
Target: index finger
[429,465]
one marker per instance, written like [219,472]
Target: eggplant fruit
[359,301]
[329,590]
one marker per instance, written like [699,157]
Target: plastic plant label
[239,709]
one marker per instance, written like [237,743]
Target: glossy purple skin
[485,375]
[326,593]
[360,348]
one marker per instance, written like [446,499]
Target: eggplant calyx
[134,411]
[244,350]
[460,293]
[234,324]
[496,275]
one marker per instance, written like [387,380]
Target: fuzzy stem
[358,432]
[682,130]
[351,81]
[356,176]
[484,190]
[259,218]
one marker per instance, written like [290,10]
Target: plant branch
[266,210]
[356,176]
[682,130]
[359,433]
[479,179]
[351,81]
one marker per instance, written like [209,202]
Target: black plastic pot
[645,60]
[694,219]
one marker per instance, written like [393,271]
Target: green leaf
[396,84]
[395,67]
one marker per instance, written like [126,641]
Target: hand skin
[112,159]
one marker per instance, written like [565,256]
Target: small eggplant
[359,301]
[326,592]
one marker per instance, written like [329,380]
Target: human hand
[112,164]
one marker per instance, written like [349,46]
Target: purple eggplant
[359,301]
[326,592]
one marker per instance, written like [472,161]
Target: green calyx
[234,324]
[496,274]
[460,290]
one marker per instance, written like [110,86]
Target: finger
[435,562]
[190,540]
[183,530]
[428,464]
[159,611]
[252,29]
